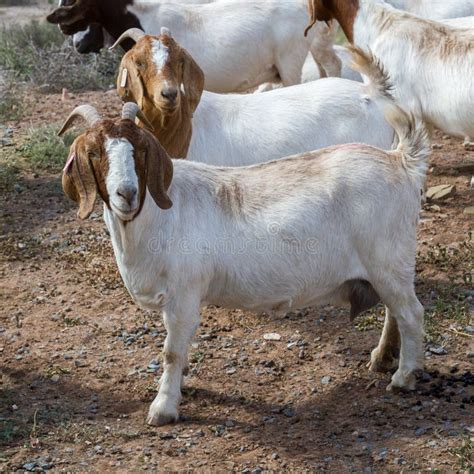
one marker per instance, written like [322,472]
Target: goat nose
[127,193]
[170,94]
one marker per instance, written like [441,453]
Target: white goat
[222,36]
[242,129]
[430,64]
[335,225]
[436,9]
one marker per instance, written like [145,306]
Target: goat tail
[413,142]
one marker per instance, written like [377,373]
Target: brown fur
[172,121]
[344,11]
[87,174]
[230,197]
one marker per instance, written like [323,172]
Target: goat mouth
[124,214]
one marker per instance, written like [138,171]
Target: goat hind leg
[409,316]
[385,356]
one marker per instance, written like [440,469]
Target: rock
[30,466]
[469,146]
[442,191]
[472,182]
[289,412]
[153,366]
[420,431]
[326,379]
[470,355]
[469,211]
[231,371]
[438,350]
[272,336]
[55,378]
[436,146]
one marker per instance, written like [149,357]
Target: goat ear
[129,82]
[79,183]
[159,172]
[193,80]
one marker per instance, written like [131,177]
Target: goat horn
[132,33]
[130,111]
[87,112]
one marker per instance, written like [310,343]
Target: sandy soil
[76,379]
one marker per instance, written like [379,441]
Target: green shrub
[41,55]
[44,150]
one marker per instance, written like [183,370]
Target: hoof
[160,419]
[160,415]
[382,362]
[402,382]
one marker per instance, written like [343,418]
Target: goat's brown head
[344,11]
[157,73]
[118,160]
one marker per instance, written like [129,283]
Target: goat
[311,72]
[221,36]
[94,37]
[429,63]
[441,10]
[241,129]
[335,225]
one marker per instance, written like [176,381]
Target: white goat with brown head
[241,129]
[310,229]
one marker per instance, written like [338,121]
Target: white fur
[238,130]
[160,54]
[437,88]
[240,45]
[121,174]
[436,9]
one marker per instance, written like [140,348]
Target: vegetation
[43,149]
[39,54]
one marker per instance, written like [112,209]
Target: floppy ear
[193,80]
[79,183]
[159,172]
[129,82]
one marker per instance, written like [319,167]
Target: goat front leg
[181,321]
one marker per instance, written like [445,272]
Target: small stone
[272,336]
[55,378]
[441,191]
[231,371]
[437,146]
[289,412]
[153,366]
[438,350]
[14,407]
[326,379]
[470,355]
[30,466]
[469,211]
[420,431]
[21,245]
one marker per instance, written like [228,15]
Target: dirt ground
[80,361]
